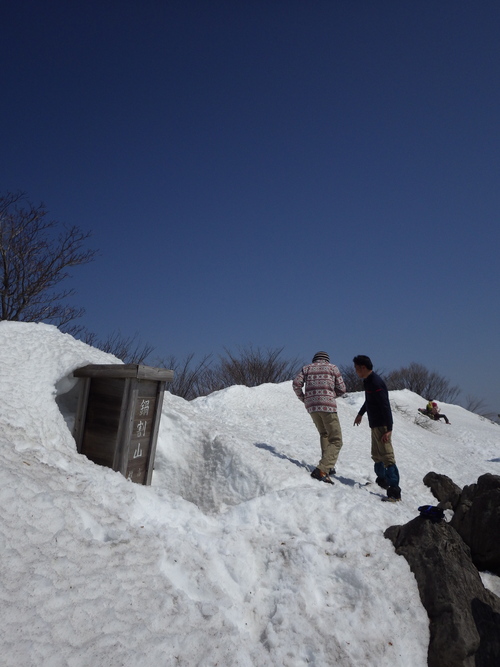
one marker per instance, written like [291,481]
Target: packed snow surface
[234,555]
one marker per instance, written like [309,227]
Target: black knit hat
[321,356]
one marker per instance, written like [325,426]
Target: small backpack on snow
[431,512]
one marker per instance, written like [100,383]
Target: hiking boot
[382,482]
[394,493]
[332,471]
[321,476]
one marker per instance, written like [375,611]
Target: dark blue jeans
[391,473]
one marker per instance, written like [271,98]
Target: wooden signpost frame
[119,415]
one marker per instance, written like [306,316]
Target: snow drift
[234,556]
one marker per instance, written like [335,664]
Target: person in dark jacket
[380,420]
[323,383]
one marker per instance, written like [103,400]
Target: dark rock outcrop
[477,520]
[476,517]
[464,616]
[444,489]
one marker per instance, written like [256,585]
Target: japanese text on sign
[141,429]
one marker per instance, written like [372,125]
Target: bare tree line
[250,367]
[36,255]
[127,348]
[254,366]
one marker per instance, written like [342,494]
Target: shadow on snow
[347,481]
[274,452]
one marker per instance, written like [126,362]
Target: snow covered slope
[234,556]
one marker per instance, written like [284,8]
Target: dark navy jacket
[376,402]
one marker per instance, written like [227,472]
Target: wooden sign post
[118,416]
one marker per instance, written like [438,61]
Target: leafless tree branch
[35,257]
[428,384]
[127,348]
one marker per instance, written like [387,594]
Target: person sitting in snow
[323,383]
[431,410]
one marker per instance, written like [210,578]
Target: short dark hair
[363,360]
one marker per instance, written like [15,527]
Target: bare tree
[476,405]
[34,260]
[351,379]
[251,367]
[479,407]
[127,348]
[429,385]
[189,380]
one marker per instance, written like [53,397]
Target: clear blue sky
[308,174]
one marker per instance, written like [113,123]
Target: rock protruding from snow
[477,520]
[476,517]
[444,489]
[464,616]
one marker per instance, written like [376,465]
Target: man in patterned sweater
[323,383]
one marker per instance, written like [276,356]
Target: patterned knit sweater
[323,382]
